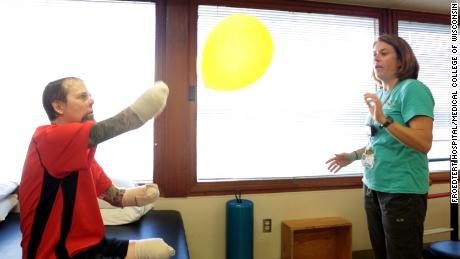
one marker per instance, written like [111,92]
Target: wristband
[352,156]
[387,123]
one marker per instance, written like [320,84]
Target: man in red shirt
[61,180]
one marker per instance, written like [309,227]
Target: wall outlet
[267,225]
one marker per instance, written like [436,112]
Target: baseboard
[362,254]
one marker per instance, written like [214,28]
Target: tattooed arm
[147,106]
[114,195]
[125,121]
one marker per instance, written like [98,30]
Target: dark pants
[395,223]
[108,248]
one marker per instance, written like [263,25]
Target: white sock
[153,248]
[151,102]
[141,195]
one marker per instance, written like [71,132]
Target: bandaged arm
[149,105]
[136,196]
[355,155]
[152,248]
[141,195]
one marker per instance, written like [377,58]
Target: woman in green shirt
[395,160]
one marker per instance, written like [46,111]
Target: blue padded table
[448,249]
[166,224]
[444,250]
[10,237]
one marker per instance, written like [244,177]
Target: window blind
[431,45]
[306,107]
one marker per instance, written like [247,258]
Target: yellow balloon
[237,52]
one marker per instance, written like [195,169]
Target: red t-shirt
[58,193]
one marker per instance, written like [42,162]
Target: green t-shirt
[398,168]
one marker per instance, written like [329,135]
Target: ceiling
[431,6]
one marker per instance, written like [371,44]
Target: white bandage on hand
[355,155]
[350,156]
[151,102]
[141,195]
[153,248]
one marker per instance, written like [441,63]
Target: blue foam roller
[239,229]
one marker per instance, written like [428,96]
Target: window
[430,43]
[306,106]
[179,157]
[109,44]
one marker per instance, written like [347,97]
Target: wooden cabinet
[319,238]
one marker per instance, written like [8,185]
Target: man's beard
[88,117]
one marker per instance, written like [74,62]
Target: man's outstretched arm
[124,121]
[147,106]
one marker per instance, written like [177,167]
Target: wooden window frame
[175,129]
